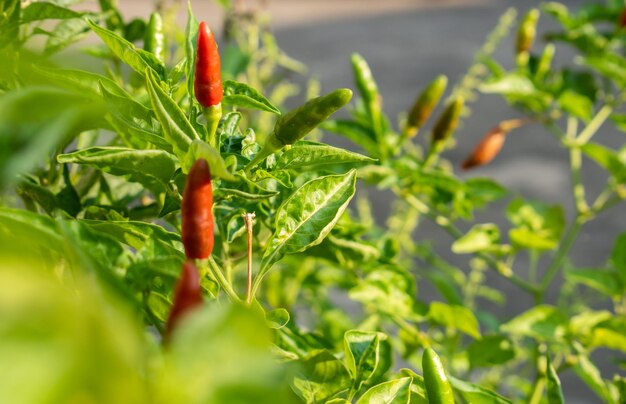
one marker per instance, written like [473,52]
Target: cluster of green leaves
[96,163]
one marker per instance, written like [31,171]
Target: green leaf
[320,377]
[191,36]
[387,290]
[243,96]
[610,333]
[66,33]
[455,317]
[53,118]
[490,350]
[137,59]
[538,226]
[576,104]
[368,356]
[277,318]
[200,149]
[44,10]
[177,130]
[606,158]
[360,134]
[604,281]
[620,121]
[307,216]
[618,257]
[151,168]
[543,322]
[396,391]
[80,80]
[589,373]
[310,155]
[510,84]
[553,385]
[475,394]
[481,237]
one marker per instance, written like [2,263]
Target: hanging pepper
[622,19]
[187,296]
[491,144]
[197,217]
[294,125]
[527,31]
[208,81]
[438,388]
[448,121]
[154,40]
[425,104]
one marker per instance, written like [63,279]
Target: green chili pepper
[425,104]
[438,388]
[545,61]
[154,40]
[448,121]
[294,125]
[527,31]
[368,89]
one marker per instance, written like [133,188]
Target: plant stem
[594,124]
[248,219]
[561,253]
[575,154]
[221,280]
[501,267]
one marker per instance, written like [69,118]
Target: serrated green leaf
[243,96]
[307,216]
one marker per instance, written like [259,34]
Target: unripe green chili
[298,122]
[527,31]
[425,104]
[448,121]
[545,61]
[154,40]
[438,388]
[196,212]
[364,80]
[187,296]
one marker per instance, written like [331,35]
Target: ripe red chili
[622,19]
[187,296]
[197,217]
[207,80]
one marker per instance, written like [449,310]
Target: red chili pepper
[187,296]
[622,19]
[197,218]
[207,80]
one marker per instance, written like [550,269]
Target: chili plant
[168,233]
